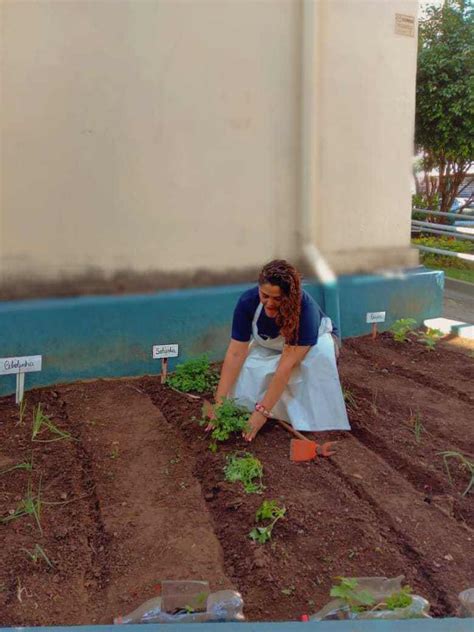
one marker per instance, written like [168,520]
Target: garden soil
[135,496]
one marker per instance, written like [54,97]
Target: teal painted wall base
[112,336]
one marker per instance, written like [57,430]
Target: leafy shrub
[245,469]
[401,327]
[230,417]
[430,337]
[194,375]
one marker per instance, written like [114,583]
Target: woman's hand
[255,423]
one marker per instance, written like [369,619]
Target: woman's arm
[233,361]
[290,358]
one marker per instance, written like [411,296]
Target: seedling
[401,327]
[356,600]
[349,399]
[42,422]
[245,469]
[465,463]
[288,591]
[115,453]
[194,375]
[30,505]
[268,511]
[400,599]
[21,410]
[229,418]
[38,554]
[430,337]
[417,426]
[26,465]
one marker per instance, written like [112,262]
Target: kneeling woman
[281,360]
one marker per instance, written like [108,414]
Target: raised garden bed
[135,495]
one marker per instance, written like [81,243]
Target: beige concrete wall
[167,135]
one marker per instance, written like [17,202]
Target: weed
[43,422]
[194,375]
[115,452]
[38,554]
[25,465]
[349,398]
[229,418]
[357,600]
[21,411]
[401,327]
[30,505]
[245,469]
[465,463]
[268,511]
[430,337]
[400,599]
[417,426]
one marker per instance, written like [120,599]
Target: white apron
[312,399]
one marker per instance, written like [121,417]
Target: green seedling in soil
[465,464]
[194,375]
[229,418]
[245,469]
[30,505]
[356,600]
[38,554]
[401,328]
[417,426]
[268,511]
[114,454]
[21,411]
[349,399]
[430,337]
[26,465]
[42,422]
[400,599]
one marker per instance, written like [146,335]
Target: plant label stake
[163,352]
[374,318]
[19,366]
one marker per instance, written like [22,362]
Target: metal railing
[446,230]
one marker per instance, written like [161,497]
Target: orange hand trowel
[303,449]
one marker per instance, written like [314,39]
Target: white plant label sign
[165,351]
[375,317]
[19,366]
[22,364]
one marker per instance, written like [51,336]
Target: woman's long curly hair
[281,273]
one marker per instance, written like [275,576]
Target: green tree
[444,126]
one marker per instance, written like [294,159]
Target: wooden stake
[164,369]
[20,387]
[374,331]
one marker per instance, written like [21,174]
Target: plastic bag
[380,588]
[223,605]
[467,603]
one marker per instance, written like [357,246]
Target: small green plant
[430,337]
[115,452]
[417,426]
[30,505]
[349,398]
[346,590]
[288,591]
[25,465]
[42,422]
[464,462]
[400,599]
[402,327]
[268,512]
[37,554]
[246,469]
[194,375]
[229,418]
[21,411]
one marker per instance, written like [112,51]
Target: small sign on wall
[405,24]
[20,365]
[373,318]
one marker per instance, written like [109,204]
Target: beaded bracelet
[261,409]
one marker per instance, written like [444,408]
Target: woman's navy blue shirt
[310,319]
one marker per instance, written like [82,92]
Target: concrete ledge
[112,336]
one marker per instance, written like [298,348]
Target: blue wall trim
[112,336]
